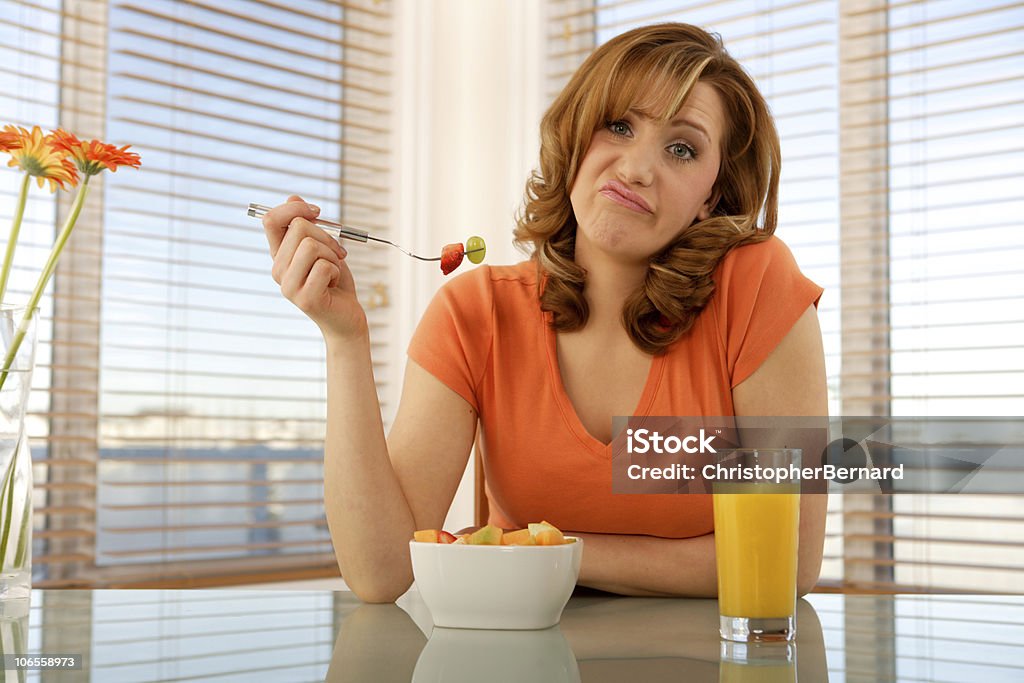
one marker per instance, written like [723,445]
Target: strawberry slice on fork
[451,257]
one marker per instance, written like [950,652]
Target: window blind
[902,167]
[29,83]
[190,444]
[953,74]
[791,50]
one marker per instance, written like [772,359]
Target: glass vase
[15,460]
[14,641]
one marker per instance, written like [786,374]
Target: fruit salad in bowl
[495,579]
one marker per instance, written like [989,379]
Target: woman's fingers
[298,232]
[309,265]
[306,254]
[322,277]
[277,221]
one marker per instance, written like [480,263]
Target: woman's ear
[708,207]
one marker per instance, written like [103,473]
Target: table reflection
[284,636]
[600,638]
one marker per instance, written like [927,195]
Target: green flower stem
[26,517]
[7,489]
[7,504]
[44,278]
[12,241]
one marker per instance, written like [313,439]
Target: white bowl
[495,586]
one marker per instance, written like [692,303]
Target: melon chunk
[433,536]
[546,534]
[519,537]
[485,535]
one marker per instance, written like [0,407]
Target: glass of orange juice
[757,520]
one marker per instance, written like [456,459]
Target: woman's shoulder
[759,274]
[486,286]
[490,281]
[522,274]
[753,261]
[751,253]
[760,293]
[486,275]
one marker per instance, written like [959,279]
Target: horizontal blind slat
[213,482]
[868,56]
[253,18]
[263,106]
[243,38]
[320,521]
[888,562]
[886,538]
[299,12]
[244,145]
[234,56]
[137,507]
[653,17]
[24,28]
[932,22]
[373,226]
[261,124]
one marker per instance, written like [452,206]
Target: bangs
[655,84]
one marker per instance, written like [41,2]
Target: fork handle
[348,232]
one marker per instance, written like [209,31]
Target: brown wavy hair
[653,69]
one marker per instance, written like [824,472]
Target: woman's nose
[636,166]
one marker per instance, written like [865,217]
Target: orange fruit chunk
[518,537]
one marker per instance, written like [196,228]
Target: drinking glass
[757,519]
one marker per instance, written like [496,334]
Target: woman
[652,289]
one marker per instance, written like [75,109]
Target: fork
[349,232]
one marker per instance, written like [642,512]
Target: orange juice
[756,538]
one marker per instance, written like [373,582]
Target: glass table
[279,635]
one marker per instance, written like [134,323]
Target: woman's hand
[310,267]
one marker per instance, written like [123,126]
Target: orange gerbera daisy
[9,139]
[93,157]
[34,153]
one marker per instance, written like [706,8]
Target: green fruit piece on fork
[476,249]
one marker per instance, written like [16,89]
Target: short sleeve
[760,294]
[453,339]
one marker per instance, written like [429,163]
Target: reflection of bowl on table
[495,586]
[456,654]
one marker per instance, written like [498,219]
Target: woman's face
[642,182]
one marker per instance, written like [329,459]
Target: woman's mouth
[621,195]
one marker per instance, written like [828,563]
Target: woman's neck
[609,283]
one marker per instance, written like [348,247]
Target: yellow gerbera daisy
[34,153]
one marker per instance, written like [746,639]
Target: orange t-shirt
[485,336]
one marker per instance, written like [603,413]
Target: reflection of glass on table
[757,663]
[756,538]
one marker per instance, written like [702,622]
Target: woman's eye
[619,127]
[684,152]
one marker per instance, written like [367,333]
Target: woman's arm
[649,567]
[376,491]
[791,381]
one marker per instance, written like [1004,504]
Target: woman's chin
[612,240]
